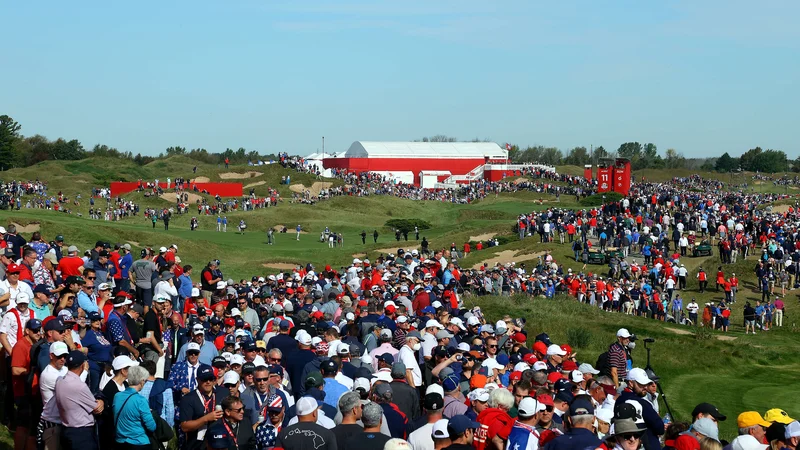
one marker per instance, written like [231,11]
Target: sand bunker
[359,255]
[200,180]
[239,176]
[482,237]
[259,183]
[280,266]
[508,256]
[688,332]
[314,189]
[30,228]
[758,182]
[170,197]
[781,209]
[291,230]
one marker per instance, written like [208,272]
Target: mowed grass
[749,372]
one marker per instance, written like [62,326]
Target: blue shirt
[574,439]
[333,390]
[185,290]
[125,264]
[100,350]
[86,303]
[207,353]
[168,409]
[131,419]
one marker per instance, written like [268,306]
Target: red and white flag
[508,146]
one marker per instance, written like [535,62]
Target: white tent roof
[371,149]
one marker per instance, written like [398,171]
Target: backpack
[603,364]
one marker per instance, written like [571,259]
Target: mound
[239,176]
[280,266]
[482,237]
[201,180]
[170,197]
[259,183]
[30,228]
[314,189]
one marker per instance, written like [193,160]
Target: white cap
[162,249]
[604,414]
[2,230]
[439,430]
[259,361]
[500,325]
[437,388]
[747,442]
[433,323]
[587,368]
[23,298]
[792,430]
[402,319]
[195,292]
[158,299]
[102,287]
[529,407]
[492,363]
[437,304]
[175,246]
[623,333]
[306,406]
[464,347]
[639,375]
[240,333]
[198,329]
[473,320]
[457,321]
[356,261]
[343,349]
[315,340]
[227,356]
[122,362]
[554,349]
[193,346]
[362,383]
[539,365]
[521,367]
[235,312]
[576,376]
[237,359]
[59,348]
[303,338]
[350,316]
[480,394]
[231,377]
[221,285]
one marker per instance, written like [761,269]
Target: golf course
[735,372]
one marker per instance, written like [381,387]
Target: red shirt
[69,266]
[494,422]
[21,357]
[115,259]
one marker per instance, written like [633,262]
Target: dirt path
[280,266]
[314,189]
[200,180]
[482,237]
[170,197]
[30,228]
[258,183]
[239,176]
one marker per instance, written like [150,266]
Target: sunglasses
[88,287]
[491,346]
[261,380]
[230,386]
[61,357]
[548,408]
[192,353]
[274,413]
[91,278]
[630,437]
[277,360]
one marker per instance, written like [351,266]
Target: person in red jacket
[495,422]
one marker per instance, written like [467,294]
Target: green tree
[630,150]
[177,150]
[578,156]
[599,153]
[674,159]
[514,154]
[758,160]
[9,134]
[726,163]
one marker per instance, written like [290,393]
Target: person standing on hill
[375,236]
[363,237]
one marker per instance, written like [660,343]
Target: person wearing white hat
[555,356]
[207,349]
[618,356]
[14,321]
[638,382]
[523,434]
[306,433]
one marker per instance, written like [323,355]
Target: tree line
[17,150]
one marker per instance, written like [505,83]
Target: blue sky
[703,77]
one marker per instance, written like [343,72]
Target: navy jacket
[655,426]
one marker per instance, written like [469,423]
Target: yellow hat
[748,419]
[778,415]
[261,344]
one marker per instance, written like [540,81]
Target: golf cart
[702,249]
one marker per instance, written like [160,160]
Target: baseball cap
[792,430]
[587,368]
[205,373]
[479,394]
[59,348]
[13,268]
[747,442]
[707,428]
[55,324]
[529,406]
[640,376]
[554,349]
[385,388]
[193,347]
[231,377]
[94,315]
[546,400]
[461,423]
[433,401]
[314,379]
[539,365]
[778,415]
[275,403]
[439,430]
[450,383]
[328,367]
[41,289]
[580,407]
[306,406]
[386,357]
[708,408]
[75,359]
[623,333]
[122,362]
[23,298]
[748,419]
[34,324]
[219,362]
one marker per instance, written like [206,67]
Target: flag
[508,146]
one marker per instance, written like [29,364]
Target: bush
[407,225]
[703,334]
[579,337]
[597,199]
[503,240]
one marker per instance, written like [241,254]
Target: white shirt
[421,438]
[669,284]
[322,420]
[692,307]
[407,357]
[344,379]
[163,289]
[5,286]
[428,344]
[47,381]
[9,325]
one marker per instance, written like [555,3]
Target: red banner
[622,176]
[587,172]
[604,179]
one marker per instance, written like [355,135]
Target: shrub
[407,225]
[579,337]
[597,199]
[703,334]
